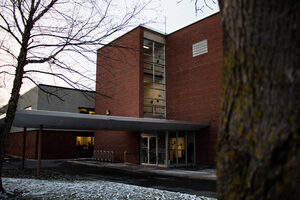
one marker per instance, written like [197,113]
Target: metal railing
[103,156]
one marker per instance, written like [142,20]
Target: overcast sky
[169,16]
[182,14]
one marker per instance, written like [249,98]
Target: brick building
[147,74]
[57,143]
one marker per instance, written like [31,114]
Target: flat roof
[66,88]
[76,121]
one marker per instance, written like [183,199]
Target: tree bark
[259,142]
[10,115]
[15,93]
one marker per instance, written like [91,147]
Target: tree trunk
[11,110]
[15,93]
[259,142]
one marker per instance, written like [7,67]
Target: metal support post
[24,148]
[38,171]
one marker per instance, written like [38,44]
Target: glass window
[172,148]
[144,150]
[154,79]
[84,145]
[148,47]
[152,150]
[84,110]
[190,147]
[181,147]
[161,139]
[148,150]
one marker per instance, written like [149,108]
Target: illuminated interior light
[107,112]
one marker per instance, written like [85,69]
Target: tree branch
[43,12]
[8,29]
[42,89]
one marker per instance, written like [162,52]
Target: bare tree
[259,143]
[200,5]
[36,32]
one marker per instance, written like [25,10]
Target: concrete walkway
[198,174]
[193,173]
[196,181]
[14,162]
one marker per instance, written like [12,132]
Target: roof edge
[119,37]
[61,87]
[217,13]
[157,31]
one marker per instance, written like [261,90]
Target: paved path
[198,182]
[200,174]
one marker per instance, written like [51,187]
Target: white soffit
[154,37]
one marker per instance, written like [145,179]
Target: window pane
[152,150]
[190,147]
[159,50]
[147,47]
[154,72]
[144,150]
[161,137]
[148,91]
[159,71]
[159,94]
[148,69]
[181,147]
[84,145]
[172,148]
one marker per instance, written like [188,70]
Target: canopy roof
[76,121]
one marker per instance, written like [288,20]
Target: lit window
[154,79]
[83,110]
[84,146]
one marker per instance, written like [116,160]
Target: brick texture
[119,89]
[194,83]
[193,86]
[14,144]
[55,144]
[58,145]
[119,142]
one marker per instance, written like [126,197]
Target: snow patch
[55,189]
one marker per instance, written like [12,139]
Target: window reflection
[84,145]
[154,79]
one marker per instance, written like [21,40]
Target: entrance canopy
[76,121]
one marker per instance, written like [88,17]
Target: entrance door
[148,150]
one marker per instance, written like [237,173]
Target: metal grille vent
[200,48]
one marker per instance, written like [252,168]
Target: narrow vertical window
[154,79]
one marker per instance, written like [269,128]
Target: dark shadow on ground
[71,171]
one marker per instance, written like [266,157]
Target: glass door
[148,150]
[144,150]
[152,150]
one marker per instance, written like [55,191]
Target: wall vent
[200,48]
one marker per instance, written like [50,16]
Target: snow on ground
[54,189]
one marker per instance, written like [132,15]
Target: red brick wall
[119,76]
[55,144]
[194,83]
[119,89]
[14,144]
[119,142]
